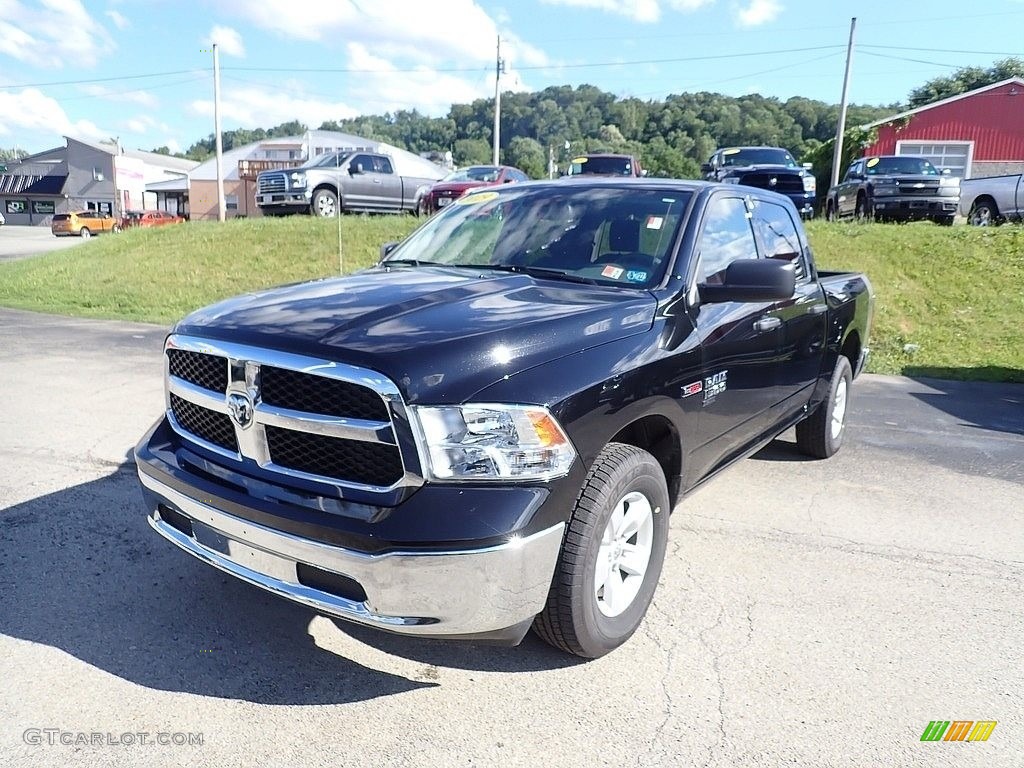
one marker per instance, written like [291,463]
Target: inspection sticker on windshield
[579,159]
[613,272]
[636,276]
[655,222]
[476,198]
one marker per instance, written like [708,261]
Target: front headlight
[810,184]
[298,180]
[731,180]
[493,442]
[949,181]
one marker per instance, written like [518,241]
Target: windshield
[335,159]
[912,166]
[610,236]
[602,166]
[757,156]
[476,173]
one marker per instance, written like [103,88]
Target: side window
[382,165]
[362,161]
[853,170]
[779,237]
[727,237]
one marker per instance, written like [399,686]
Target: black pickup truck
[489,429]
[771,168]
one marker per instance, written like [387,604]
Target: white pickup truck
[992,200]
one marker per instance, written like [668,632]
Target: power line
[941,50]
[105,79]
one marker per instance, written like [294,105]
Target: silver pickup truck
[992,200]
[341,181]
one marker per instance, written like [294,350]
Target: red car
[454,185]
[149,219]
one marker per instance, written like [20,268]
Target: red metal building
[978,133]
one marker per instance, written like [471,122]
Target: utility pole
[221,206]
[498,69]
[837,155]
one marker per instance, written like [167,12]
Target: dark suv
[605,165]
[769,168]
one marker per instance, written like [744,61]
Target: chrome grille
[303,417]
[207,371]
[366,463]
[317,394]
[208,425]
[909,188]
[271,182]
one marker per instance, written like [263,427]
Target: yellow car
[83,224]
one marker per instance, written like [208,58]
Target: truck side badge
[714,386]
[693,389]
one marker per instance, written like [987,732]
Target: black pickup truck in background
[771,168]
[894,188]
[489,429]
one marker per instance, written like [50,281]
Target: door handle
[376,181]
[767,324]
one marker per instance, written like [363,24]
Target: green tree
[965,79]
[527,155]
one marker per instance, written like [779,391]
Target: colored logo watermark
[958,730]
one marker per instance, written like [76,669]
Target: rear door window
[778,235]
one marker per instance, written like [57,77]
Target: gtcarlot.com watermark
[51,737]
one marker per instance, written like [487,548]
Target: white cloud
[645,11]
[52,33]
[228,39]
[397,29]
[140,97]
[173,145]
[254,107]
[32,111]
[143,124]
[119,20]
[758,12]
[385,88]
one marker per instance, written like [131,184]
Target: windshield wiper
[410,263]
[554,274]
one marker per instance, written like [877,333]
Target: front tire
[611,557]
[84,233]
[863,211]
[325,204]
[830,212]
[821,434]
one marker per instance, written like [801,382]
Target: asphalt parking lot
[19,242]
[810,613]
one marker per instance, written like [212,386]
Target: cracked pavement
[809,613]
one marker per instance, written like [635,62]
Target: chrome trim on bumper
[461,592]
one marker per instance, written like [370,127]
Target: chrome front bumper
[474,592]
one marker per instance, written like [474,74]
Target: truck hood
[440,333]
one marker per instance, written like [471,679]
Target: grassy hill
[949,301]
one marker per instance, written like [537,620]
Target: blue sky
[142,71]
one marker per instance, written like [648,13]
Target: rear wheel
[85,233]
[821,434]
[611,557]
[983,213]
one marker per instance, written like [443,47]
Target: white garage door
[955,155]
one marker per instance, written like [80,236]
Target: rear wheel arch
[851,348]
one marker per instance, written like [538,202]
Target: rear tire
[983,213]
[821,433]
[611,557]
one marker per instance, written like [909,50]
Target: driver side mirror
[751,280]
[354,170]
[707,168]
[387,248]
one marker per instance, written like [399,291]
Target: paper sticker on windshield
[476,198]
[579,159]
[613,272]
[636,276]
[655,222]
[730,151]
[872,162]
